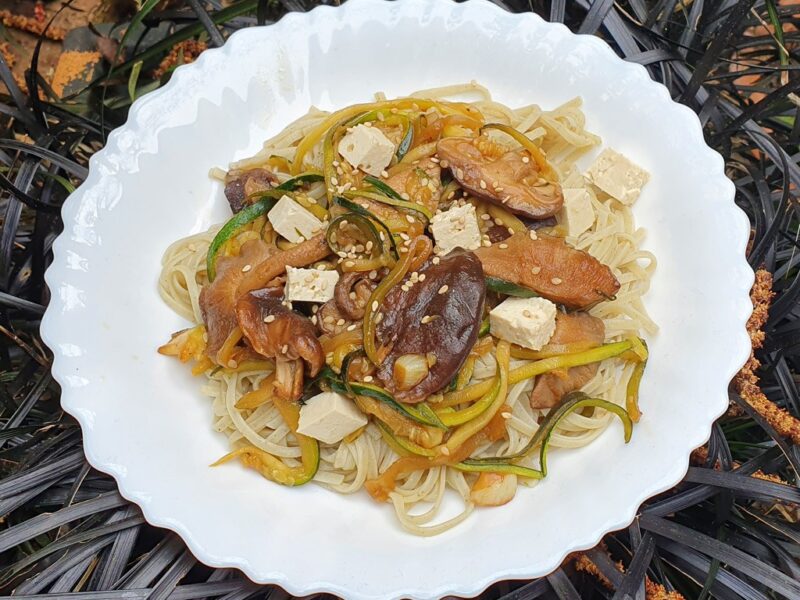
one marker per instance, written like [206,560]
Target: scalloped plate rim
[71,395]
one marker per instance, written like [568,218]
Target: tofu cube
[329,417]
[292,221]
[577,213]
[527,322]
[310,285]
[617,176]
[456,228]
[367,148]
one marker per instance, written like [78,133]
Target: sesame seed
[328,319]
[486,243]
[434,159]
[555,280]
[503,246]
[246,268]
[483,184]
[425,181]
[314,319]
[373,274]
[340,322]
[335,163]
[403,250]
[460,173]
[350,263]
[384,173]
[443,289]
[510,231]
[426,319]
[498,221]
[369,246]
[285,349]
[536,270]
[505,415]
[375,305]
[405,196]
[436,260]
[232,364]
[526,160]
[379,318]
[410,219]
[368,379]
[422,277]
[352,327]
[445,450]
[533,235]
[269,318]
[334,181]
[352,295]
[486,217]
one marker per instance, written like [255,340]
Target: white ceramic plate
[143,417]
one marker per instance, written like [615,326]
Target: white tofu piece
[577,213]
[310,285]
[456,228]
[528,322]
[329,417]
[367,148]
[292,221]
[617,176]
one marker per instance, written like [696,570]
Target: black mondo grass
[729,530]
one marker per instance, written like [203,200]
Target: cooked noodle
[344,467]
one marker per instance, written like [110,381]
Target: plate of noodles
[399,299]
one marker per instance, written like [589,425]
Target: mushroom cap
[501,176]
[275,331]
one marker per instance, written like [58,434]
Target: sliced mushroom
[331,320]
[508,177]
[303,254]
[570,329]
[352,293]
[241,184]
[276,332]
[422,182]
[437,318]
[550,268]
[218,299]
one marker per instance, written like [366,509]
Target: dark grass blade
[736,559]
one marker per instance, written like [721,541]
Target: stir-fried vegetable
[236,223]
[571,403]
[536,153]
[418,252]
[501,286]
[274,468]
[420,413]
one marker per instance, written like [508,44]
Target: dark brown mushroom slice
[241,184]
[551,268]
[331,320]
[506,177]
[352,292]
[218,298]
[570,329]
[275,331]
[436,320]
